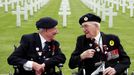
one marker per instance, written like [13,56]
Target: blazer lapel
[103,38]
[37,41]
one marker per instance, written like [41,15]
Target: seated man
[38,53]
[96,52]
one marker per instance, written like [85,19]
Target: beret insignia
[85,18]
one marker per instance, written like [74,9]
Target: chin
[87,36]
[52,38]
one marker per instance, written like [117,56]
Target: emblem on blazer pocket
[111,43]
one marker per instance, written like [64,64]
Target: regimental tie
[96,45]
[46,47]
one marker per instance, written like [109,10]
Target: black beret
[89,17]
[46,23]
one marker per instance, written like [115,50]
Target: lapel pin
[40,53]
[90,45]
[111,43]
[37,48]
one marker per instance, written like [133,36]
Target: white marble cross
[109,12]
[18,14]
[131,7]
[116,2]
[21,10]
[6,5]
[35,5]
[31,8]
[64,11]
[25,10]
[1,4]
[123,4]
[98,7]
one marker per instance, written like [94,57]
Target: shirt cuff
[28,65]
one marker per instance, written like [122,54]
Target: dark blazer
[115,57]
[28,49]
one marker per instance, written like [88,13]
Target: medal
[37,48]
[97,49]
[40,53]
[90,45]
[31,59]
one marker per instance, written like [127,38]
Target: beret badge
[85,18]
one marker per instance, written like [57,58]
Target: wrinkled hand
[39,68]
[87,54]
[109,71]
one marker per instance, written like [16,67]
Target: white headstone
[98,8]
[1,4]
[25,11]
[64,14]
[22,2]
[31,8]
[94,6]
[18,19]
[38,4]
[6,6]
[12,4]
[109,12]
[131,7]
[123,6]
[35,6]
[117,3]
[64,11]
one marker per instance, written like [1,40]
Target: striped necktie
[46,47]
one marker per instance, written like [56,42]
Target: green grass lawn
[10,34]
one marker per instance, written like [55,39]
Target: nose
[83,28]
[57,31]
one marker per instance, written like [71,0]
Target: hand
[39,68]
[109,71]
[87,54]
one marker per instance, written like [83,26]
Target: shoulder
[111,36]
[55,42]
[29,37]
[81,37]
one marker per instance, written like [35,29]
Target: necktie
[46,47]
[96,45]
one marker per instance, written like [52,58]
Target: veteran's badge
[37,48]
[90,45]
[111,43]
[40,53]
[85,18]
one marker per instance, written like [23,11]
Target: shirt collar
[42,39]
[97,38]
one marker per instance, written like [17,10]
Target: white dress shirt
[98,40]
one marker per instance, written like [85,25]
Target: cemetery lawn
[10,35]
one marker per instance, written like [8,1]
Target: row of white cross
[64,10]
[21,7]
[105,7]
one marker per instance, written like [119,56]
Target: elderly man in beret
[97,53]
[38,53]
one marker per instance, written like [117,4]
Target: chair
[125,72]
[16,67]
